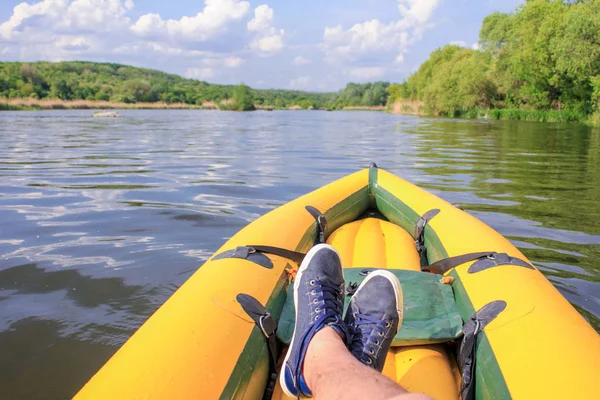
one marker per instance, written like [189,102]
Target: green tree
[60,89]
[544,56]
[242,100]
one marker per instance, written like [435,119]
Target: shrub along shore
[397,107]
[539,63]
[418,108]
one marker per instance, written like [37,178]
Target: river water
[101,220]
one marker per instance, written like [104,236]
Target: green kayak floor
[430,312]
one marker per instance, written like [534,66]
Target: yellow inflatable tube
[200,344]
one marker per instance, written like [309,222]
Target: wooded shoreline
[29,104]
[405,107]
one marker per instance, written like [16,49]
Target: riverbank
[406,107]
[57,104]
[364,108]
[565,116]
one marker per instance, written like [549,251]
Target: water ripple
[101,221]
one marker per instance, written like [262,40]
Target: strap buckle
[267,325]
[419,227]
[477,327]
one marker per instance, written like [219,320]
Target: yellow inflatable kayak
[477,313]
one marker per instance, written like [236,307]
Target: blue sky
[306,45]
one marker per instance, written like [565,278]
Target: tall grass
[504,114]
[9,107]
[411,107]
[520,115]
[594,119]
[537,115]
[57,104]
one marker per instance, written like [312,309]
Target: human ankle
[324,341]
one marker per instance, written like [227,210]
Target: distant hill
[78,80]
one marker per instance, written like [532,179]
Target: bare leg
[333,373]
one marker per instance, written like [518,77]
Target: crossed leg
[332,372]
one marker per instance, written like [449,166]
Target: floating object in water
[464,285]
[106,114]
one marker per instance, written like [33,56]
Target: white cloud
[100,30]
[44,20]
[148,48]
[267,39]
[216,63]
[211,21]
[268,44]
[366,73]
[73,43]
[376,41]
[300,83]
[460,43]
[56,30]
[300,61]
[201,73]
[233,62]
[263,18]
[417,10]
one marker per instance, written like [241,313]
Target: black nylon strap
[295,256]
[496,260]
[263,319]
[468,346]
[420,237]
[246,253]
[321,224]
[442,266]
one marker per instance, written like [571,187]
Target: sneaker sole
[393,279]
[302,268]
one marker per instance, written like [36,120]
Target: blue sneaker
[374,316]
[319,302]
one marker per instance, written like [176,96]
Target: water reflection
[101,220]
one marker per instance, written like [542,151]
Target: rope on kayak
[265,322]
[419,235]
[468,346]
